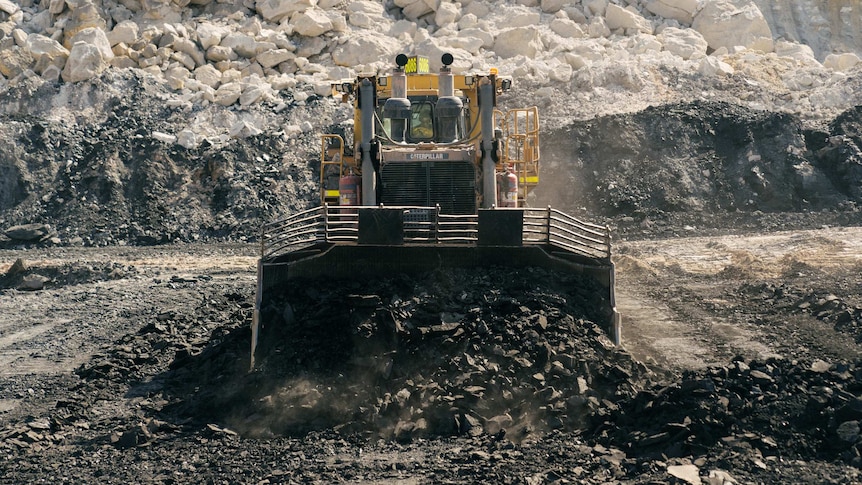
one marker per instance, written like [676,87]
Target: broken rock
[28,232]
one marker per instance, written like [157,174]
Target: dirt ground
[88,394]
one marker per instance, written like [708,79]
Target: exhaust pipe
[489,168]
[366,104]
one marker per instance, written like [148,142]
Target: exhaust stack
[397,108]
[450,109]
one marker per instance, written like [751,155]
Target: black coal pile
[825,306]
[104,178]
[776,409]
[704,159]
[23,275]
[504,352]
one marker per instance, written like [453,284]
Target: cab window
[422,122]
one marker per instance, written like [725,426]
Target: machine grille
[451,184]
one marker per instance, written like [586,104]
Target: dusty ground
[92,373]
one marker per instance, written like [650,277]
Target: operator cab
[438,117]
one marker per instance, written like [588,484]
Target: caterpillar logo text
[427,156]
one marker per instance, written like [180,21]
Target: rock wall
[827,26]
[243,53]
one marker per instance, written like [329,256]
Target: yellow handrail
[330,157]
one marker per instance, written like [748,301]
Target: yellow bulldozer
[435,176]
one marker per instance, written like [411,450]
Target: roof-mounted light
[401,60]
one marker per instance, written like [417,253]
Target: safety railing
[426,225]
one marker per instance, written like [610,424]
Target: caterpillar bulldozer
[435,176]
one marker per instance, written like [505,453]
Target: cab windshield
[422,122]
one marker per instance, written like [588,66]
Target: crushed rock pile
[510,362]
[495,353]
[704,158]
[22,275]
[844,315]
[502,352]
[780,409]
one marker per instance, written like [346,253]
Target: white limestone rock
[552,6]
[468,21]
[372,8]
[277,10]
[413,9]
[97,38]
[322,88]
[558,70]
[729,23]
[339,22]
[365,48]
[125,31]
[9,7]
[680,10]
[712,66]
[642,44]
[190,48]
[42,21]
[85,62]
[567,28]
[620,18]
[339,72]
[598,28]
[19,36]
[479,8]
[243,129]
[243,44]
[796,51]
[447,13]
[186,60]
[402,28]
[596,8]
[473,45]
[210,34]
[14,61]
[274,57]
[56,7]
[281,82]
[218,53]
[189,139]
[176,77]
[519,41]
[841,62]
[40,46]
[363,20]
[591,51]
[575,60]
[252,94]
[90,55]
[208,75]
[311,23]
[685,43]
[228,94]
[486,37]
[519,18]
